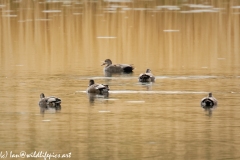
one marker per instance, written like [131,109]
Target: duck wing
[53,99]
[103,87]
[114,68]
[100,86]
[97,88]
[126,67]
[151,76]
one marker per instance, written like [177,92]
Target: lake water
[55,47]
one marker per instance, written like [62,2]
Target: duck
[146,77]
[117,68]
[209,102]
[97,88]
[49,102]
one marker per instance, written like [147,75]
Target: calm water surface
[55,47]
[162,120]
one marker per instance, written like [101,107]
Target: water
[162,120]
[55,48]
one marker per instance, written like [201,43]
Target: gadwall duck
[209,102]
[116,68]
[49,102]
[97,88]
[146,77]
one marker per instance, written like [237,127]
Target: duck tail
[144,78]
[105,89]
[58,100]
[207,103]
[128,69]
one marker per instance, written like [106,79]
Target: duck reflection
[146,85]
[95,96]
[115,75]
[209,110]
[122,74]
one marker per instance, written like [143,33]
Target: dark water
[55,47]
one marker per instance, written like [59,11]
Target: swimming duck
[49,102]
[116,68]
[209,102]
[97,88]
[146,77]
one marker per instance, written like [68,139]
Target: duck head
[42,95]
[210,95]
[148,71]
[91,82]
[107,62]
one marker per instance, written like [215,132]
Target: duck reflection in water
[97,90]
[209,103]
[120,74]
[49,103]
[93,96]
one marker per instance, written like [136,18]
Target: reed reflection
[158,33]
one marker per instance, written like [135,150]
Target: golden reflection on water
[54,47]
[61,36]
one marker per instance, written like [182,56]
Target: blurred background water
[56,46]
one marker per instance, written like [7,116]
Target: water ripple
[157,77]
[152,92]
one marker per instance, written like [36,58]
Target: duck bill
[103,64]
